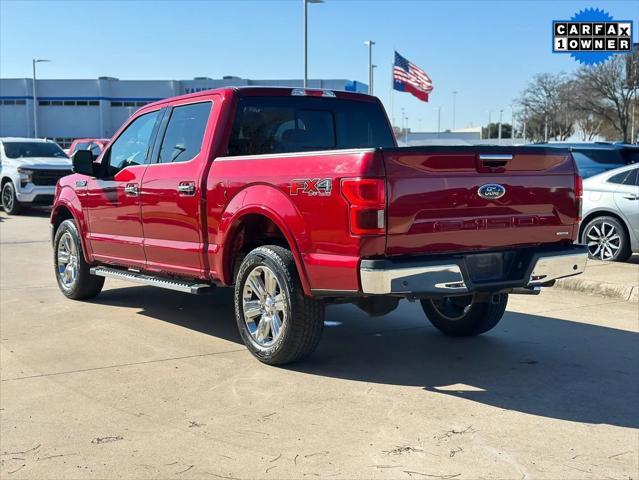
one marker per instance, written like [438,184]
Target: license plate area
[490,267]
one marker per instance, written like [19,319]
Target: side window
[81,146]
[619,178]
[131,146]
[185,132]
[632,178]
[95,150]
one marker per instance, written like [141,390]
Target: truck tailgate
[434,202]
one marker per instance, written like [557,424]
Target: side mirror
[83,162]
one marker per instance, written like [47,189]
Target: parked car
[599,157]
[299,198]
[94,145]
[610,226]
[30,169]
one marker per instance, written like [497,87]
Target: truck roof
[268,91]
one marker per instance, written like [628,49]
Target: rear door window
[185,132]
[267,125]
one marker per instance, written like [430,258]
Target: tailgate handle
[494,160]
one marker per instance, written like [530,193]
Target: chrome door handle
[186,188]
[132,189]
[631,196]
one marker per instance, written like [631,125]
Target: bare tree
[589,126]
[602,91]
[547,105]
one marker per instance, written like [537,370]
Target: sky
[487,51]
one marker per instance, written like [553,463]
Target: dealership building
[69,109]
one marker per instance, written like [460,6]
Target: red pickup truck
[299,198]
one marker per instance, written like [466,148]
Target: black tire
[85,285]
[463,316]
[594,235]
[10,203]
[301,327]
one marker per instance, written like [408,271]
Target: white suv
[29,171]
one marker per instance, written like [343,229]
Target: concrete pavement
[147,383]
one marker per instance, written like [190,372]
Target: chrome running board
[155,281]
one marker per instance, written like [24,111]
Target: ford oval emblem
[491,191]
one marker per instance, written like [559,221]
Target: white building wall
[69,109]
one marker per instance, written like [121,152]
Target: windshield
[33,149]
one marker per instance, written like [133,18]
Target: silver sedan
[610,225]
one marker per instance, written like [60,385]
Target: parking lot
[148,383]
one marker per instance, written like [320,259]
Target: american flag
[408,77]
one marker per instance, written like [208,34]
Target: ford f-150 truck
[298,198]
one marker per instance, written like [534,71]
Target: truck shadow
[529,363]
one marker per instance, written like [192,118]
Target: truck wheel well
[61,214]
[4,180]
[254,231]
[593,215]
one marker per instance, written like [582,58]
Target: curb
[628,293]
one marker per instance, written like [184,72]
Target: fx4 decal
[312,187]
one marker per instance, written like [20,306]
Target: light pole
[454,107]
[512,123]
[439,120]
[501,112]
[370,44]
[372,77]
[406,132]
[35,100]
[306,2]
[490,119]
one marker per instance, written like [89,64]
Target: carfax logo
[592,36]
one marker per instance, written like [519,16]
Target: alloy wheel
[67,261]
[603,241]
[7,197]
[264,306]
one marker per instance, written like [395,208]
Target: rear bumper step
[452,276]
[155,281]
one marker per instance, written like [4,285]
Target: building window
[116,104]
[10,101]
[65,103]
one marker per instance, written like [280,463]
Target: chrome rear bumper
[451,277]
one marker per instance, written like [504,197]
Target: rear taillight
[579,195]
[366,198]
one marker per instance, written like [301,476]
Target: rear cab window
[278,124]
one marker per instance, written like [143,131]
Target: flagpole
[392,107]
[392,85]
